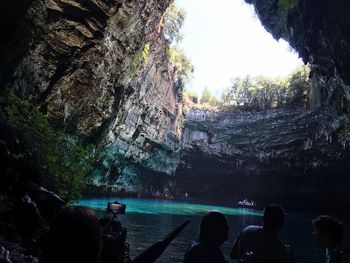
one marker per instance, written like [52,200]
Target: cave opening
[102,99]
[227,41]
[241,105]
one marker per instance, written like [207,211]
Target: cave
[81,73]
[236,154]
[78,63]
[90,99]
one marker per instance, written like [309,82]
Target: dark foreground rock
[25,220]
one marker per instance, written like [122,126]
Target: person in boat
[213,232]
[246,203]
[328,232]
[259,244]
[74,237]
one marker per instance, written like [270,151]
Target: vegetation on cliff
[287,4]
[171,25]
[34,151]
[259,92]
[178,58]
[139,58]
[263,93]
[208,99]
[172,22]
[84,99]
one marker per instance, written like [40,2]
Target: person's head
[214,227]
[273,218]
[75,236]
[328,231]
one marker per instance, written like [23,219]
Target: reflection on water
[161,207]
[148,220]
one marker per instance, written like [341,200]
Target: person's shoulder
[252,228]
[250,232]
[197,252]
[197,245]
[196,248]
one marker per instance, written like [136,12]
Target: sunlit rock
[278,154]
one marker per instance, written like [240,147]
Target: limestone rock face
[78,55]
[283,155]
[143,141]
[81,62]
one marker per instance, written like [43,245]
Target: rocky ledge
[281,154]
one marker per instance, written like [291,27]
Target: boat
[246,204]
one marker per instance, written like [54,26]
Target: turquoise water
[160,207]
[149,220]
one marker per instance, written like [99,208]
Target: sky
[224,39]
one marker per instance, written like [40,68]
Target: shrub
[28,140]
[285,5]
[178,59]
[139,58]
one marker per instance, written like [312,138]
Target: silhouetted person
[74,237]
[259,244]
[329,232]
[213,232]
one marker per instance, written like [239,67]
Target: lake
[149,220]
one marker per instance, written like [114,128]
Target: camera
[116,208]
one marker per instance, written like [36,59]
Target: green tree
[192,96]
[299,87]
[178,59]
[225,97]
[262,93]
[206,96]
[173,20]
[213,101]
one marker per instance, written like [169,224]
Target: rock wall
[295,157]
[319,31]
[142,144]
[81,60]
[78,56]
